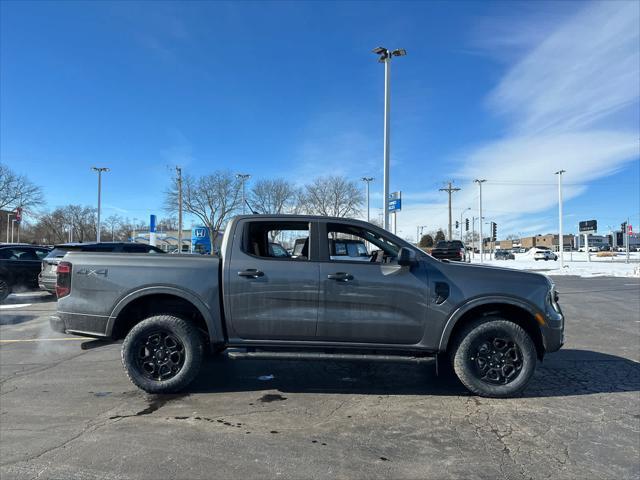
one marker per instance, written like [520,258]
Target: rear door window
[275,239]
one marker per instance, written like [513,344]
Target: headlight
[553,299]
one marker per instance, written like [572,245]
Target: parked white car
[591,249]
[544,255]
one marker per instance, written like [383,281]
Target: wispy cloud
[334,144]
[567,101]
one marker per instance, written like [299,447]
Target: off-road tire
[180,330]
[463,349]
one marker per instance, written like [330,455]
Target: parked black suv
[19,267]
[47,277]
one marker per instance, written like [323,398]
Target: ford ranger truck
[491,325]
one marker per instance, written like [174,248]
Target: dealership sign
[394,203]
[588,226]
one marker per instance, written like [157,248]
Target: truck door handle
[340,276]
[251,273]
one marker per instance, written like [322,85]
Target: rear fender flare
[213,323]
[478,302]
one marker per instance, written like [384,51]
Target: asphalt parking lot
[72,413]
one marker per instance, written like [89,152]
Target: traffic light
[457,224]
[466,224]
[494,231]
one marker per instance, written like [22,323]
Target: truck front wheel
[162,354]
[494,357]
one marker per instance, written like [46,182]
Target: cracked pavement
[70,413]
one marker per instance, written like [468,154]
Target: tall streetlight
[99,170]
[480,182]
[461,214]
[243,177]
[560,237]
[384,56]
[367,180]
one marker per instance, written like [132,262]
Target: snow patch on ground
[575,263]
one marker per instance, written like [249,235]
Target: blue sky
[507,91]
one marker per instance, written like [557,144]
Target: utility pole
[243,177]
[367,180]
[560,237]
[480,182]
[179,173]
[419,232]
[385,57]
[99,170]
[450,189]
[12,222]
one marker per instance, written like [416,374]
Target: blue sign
[152,223]
[395,205]
[200,241]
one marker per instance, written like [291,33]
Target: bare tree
[274,196]
[212,198]
[53,227]
[17,190]
[168,224]
[333,196]
[113,223]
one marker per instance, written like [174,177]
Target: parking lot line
[17,305]
[25,340]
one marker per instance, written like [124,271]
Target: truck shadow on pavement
[565,373]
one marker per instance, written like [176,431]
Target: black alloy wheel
[160,355]
[496,360]
[163,353]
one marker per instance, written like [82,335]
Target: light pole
[560,237]
[9,224]
[480,182]
[179,179]
[385,57]
[367,180]
[243,177]
[99,170]
[461,214]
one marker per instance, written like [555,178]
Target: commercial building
[550,241]
[593,241]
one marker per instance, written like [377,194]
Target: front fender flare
[477,302]
[214,325]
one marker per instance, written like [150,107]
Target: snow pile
[575,263]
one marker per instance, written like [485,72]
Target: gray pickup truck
[489,324]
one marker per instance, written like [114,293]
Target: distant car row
[31,267]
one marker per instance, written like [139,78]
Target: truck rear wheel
[494,357]
[162,354]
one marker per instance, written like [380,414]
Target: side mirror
[406,257]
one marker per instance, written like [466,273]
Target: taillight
[63,279]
